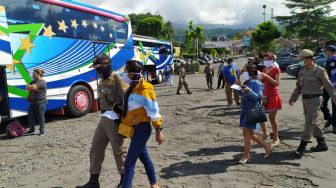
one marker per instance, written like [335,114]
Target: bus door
[4,103]
[5,60]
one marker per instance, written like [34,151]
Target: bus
[155,55]
[61,37]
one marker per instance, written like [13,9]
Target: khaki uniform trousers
[228,91]
[181,83]
[311,108]
[106,132]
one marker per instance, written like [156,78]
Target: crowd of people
[129,108]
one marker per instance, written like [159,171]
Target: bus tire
[159,78]
[79,101]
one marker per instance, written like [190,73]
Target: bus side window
[98,27]
[27,12]
[67,22]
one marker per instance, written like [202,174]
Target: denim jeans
[138,149]
[37,110]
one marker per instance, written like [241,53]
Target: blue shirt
[230,73]
[331,69]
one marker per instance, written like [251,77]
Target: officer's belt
[310,96]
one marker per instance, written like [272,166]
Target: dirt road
[203,145]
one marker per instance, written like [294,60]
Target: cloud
[227,12]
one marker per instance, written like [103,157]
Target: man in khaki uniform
[111,90]
[182,81]
[310,83]
[209,74]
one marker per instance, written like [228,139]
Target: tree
[150,26]
[264,35]
[308,20]
[168,31]
[194,38]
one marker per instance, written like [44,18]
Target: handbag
[256,114]
[264,100]
[125,130]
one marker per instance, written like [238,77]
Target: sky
[225,12]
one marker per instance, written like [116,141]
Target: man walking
[111,90]
[220,75]
[182,81]
[330,66]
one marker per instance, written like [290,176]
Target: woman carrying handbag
[251,92]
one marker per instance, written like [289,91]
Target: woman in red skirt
[271,77]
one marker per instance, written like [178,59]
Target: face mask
[268,63]
[126,78]
[245,76]
[104,72]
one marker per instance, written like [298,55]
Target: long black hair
[252,70]
[132,66]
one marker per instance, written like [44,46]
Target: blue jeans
[138,149]
[37,110]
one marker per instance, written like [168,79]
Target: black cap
[230,60]
[100,59]
[331,48]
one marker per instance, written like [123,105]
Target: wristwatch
[158,129]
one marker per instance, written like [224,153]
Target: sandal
[275,143]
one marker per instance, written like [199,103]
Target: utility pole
[272,15]
[264,13]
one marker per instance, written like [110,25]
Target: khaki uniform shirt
[111,92]
[312,81]
[182,72]
[209,71]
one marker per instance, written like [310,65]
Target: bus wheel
[159,78]
[79,101]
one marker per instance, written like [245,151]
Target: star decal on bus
[95,25]
[62,26]
[48,32]
[26,44]
[11,67]
[102,28]
[74,24]
[84,23]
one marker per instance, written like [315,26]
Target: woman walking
[251,97]
[141,110]
[271,79]
[38,101]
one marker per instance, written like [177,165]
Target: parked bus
[61,37]
[155,54]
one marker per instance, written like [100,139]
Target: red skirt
[274,103]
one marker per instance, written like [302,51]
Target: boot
[321,145]
[178,93]
[334,129]
[121,181]
[93,182]
[189,92]
[301,149]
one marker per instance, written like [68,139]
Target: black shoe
[327,124]
[334,129]
[90,185]
[121,181]
[93,182]
[30,132]
[321,145]
[178,93]
[301,149]
[189,92]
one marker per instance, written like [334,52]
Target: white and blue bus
[155,54]
[60,37]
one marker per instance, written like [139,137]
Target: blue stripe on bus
[21,104]
[5,46]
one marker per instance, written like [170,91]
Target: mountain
[210,30]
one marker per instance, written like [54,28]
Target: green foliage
[194,67]
[214,53]
[264,35]
[193,37]
[152,25]
[309,20]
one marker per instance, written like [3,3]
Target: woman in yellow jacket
[140,111]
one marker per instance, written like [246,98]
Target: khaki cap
[305,53]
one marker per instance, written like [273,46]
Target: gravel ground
[202,147]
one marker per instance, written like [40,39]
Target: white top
[111,115]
